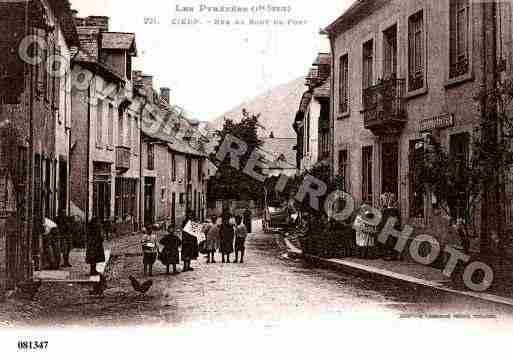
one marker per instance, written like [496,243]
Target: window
[188,165]
[120,127]
[367,174]
[324,144]
[459,37]
[135,135]
[343,167]
[151,156]
[182,198]
[368,56]
[173,167]
[416,51]
[390,53]
[200,170]
[99,122]
[417,194]
[344,84]
[110,134]
[129,131]
[163,191]
[126,197]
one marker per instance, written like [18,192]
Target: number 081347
[32,345]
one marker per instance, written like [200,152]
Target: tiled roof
[357,11]
[174,143]
[119,41]
[323,59]
[83,58]
[324,90]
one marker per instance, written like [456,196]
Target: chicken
[99,287]
[28,289]
[141,288]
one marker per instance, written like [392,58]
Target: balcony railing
[384,107]
[122,158]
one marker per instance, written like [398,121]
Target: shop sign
[437,122]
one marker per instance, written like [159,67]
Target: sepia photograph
[277,178]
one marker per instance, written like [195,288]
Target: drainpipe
[332,108]
[88,152]
[141,179]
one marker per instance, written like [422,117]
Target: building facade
[174,170]
[34,128]
[312,119]
[106,127]
[405,71]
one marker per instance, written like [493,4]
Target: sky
[213,67]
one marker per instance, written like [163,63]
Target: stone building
[105,146]
[35,122]
[312,119]
[174,171]
[405,70]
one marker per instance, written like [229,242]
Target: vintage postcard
[256,178]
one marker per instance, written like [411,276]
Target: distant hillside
[277,107]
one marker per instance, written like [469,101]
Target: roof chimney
[100,21]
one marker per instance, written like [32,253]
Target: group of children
[169,256]
[228,236]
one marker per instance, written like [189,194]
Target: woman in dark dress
[170,254]
[227,234]
[94,253]
[247,219]
[190,248]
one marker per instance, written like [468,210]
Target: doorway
[390,168]
[149,200]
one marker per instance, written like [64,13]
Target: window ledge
[416,93]
[455,81]
[110,148]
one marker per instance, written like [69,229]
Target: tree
[229,182]
[460,184]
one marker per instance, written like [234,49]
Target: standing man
[247,219]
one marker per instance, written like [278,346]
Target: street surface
[268,287]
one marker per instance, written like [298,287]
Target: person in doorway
[247,219]
[213,242]
[190,248]
[241,234]
[54,244]
[64,223]
[94,252]
[150,250]
[227,232]
[170,255]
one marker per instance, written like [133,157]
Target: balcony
[122,158]
[384,109]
